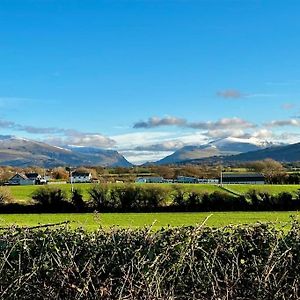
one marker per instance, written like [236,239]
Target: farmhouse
[21,179]
[81,177]
[242,178]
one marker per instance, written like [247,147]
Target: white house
[81,177]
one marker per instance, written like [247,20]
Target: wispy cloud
[224,123]
[236,94]
[61,136]
[157,122]
[230,94]
[288,106]
[81,139]
[282,123]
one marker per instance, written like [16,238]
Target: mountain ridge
[220,147]
[20,152]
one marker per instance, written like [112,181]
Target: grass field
[23,193]
[157,220]
[271,189]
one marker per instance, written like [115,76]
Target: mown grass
[271,189]
[23,193]
[137,220]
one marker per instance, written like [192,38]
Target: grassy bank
[138,220]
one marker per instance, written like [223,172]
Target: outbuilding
[242,178]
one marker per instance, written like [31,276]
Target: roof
[242,175]
[32,175]
[80,174]
[21,175]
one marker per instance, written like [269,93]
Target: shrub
[51,197]
[194,201]
[179,196]
[100,197]
[126,196]
[243,262]
[284,201]
[77,200]
[255,200]
[154,197]
[5,195]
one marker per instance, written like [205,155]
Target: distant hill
[220,147]
[19,152]
[287,153]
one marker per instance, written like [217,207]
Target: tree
[60,173]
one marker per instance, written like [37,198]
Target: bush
[77,200]
[252,262]
[51,197]
[194,201]
[126,196]
[154,197]
[284,201]
[179,197]
[5,195]
[100,197]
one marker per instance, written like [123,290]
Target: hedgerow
[150,198]
[254,262]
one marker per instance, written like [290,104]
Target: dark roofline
[243,175]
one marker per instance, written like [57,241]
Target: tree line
[147,198]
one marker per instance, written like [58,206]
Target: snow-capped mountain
[220,147]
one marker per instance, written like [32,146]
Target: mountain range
[286,153]
[221,147]
[19,152]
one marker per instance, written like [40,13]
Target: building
[35,177]
[150,180]
[81,177]
[26,179]
[185,179]
[208,181]
[242,178]
[20,179]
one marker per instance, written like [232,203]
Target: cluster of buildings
[225,178]
[37,179]
[86,177]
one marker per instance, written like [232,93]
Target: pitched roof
[21,175]
[32,175]
[80,174]
[242,175]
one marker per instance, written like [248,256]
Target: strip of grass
[137,220]
[271,189]
[23,193]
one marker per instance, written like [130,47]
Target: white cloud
[282,123]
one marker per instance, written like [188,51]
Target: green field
[271,189]
[136,220]
[23,193]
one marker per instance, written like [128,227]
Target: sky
[146,77]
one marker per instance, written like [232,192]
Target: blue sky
[147,77]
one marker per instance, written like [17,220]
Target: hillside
[19,152]
[287,153]
[221,147]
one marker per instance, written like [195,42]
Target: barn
[242,178]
